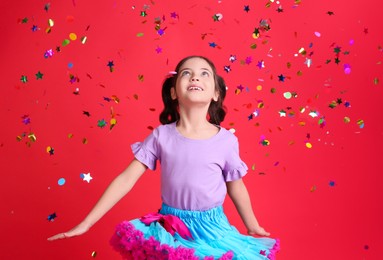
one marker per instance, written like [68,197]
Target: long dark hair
[216,111]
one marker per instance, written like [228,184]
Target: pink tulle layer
[274,250]
[132,244]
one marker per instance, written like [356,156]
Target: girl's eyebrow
[191,69]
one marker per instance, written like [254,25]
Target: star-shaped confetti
[174,15]
[216,18]
[212,44]
[322,122]
[232,58]
[248,60]
[282,113]
[39,75]
[101,123]
[281,78]
[261,64]
[246,8]
[158,49]
[26,119]
[161,31]
[52,217]
[48,53]
[240,88]
[34,28]
[110,65]
[24,79]
[227,68]
[87,177]
[50,150]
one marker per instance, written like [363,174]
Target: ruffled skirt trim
[213,238]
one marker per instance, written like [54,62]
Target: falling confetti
[52,217]
[61,181]
[86,177]
[50,150]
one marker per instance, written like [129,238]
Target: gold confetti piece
[19,138]
[51,23]
[141,78]
[135,96]
[115,99]
[94,254]
[299,73]
[259,87]
[113,122]
[253,167]
[302,51]
[360,123]
[32,137]
[83,39]
[253,46]
[73,36]
[301,123]
[84,141]
[346,120]
[70,135]
[313,188]
[376,81]
[309,145]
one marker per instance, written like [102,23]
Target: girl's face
[195,83]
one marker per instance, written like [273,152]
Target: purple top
[193,172]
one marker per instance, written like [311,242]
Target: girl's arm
[241,199]
[117,189]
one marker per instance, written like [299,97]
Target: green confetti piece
[65,42]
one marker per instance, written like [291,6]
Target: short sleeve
[234,168]
[147,152]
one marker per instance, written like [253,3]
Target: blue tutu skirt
[212,237]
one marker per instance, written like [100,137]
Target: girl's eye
[205,73]
[185,72]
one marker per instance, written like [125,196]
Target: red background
[323,202]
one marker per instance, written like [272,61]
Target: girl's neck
[193,119]
[194,124]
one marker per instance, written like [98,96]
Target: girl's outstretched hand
[260,231]
[78,230]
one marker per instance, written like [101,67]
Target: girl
[200,163]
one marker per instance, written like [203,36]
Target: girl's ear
[216,96]
[173,93]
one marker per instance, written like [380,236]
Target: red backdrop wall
[304,97]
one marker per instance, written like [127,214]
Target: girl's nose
[194,78]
